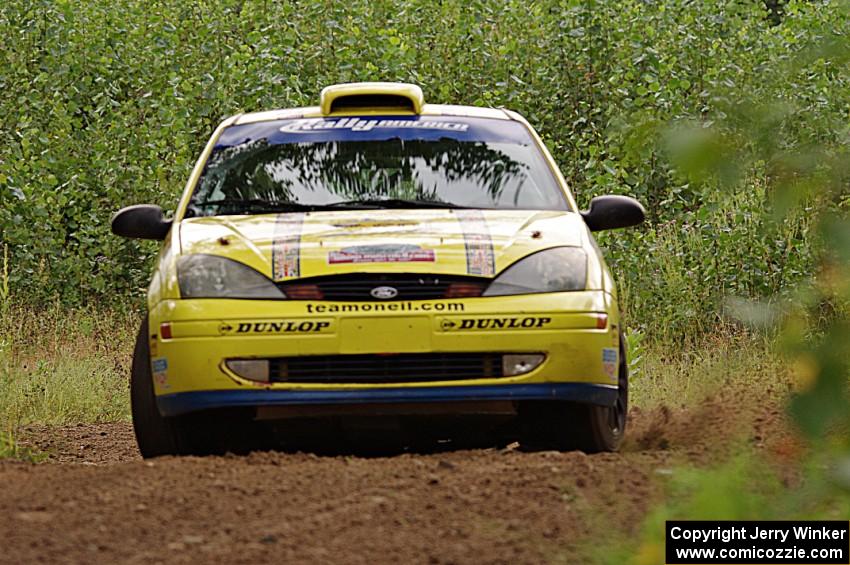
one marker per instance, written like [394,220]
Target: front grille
[393,368]
[358,287]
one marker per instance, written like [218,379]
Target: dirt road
[94,500]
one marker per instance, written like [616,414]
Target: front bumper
[190,374]
[185,402]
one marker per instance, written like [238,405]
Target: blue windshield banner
[376,128]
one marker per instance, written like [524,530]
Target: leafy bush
[105,104]
[805,158]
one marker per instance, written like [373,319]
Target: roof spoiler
[393,97]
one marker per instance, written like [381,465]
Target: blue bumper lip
[184,402]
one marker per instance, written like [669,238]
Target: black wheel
[154,434]
[606,425]
[200,434]
[590,428]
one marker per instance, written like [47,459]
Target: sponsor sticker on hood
[390,253]
[286,246]
[477,242]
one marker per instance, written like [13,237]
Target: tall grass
[60,366]
[729,357]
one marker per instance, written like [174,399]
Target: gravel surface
[95,500]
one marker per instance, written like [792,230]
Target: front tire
[155,435]
[205,433]
[567,426]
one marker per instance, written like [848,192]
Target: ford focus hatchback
[378,259]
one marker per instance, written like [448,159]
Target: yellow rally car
[378,261]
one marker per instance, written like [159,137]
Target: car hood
[460,242]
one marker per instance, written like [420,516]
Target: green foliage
[5,291]
[742,489]
[635,353]
[105,104]
[803,154]
[793,134]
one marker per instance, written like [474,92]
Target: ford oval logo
[384,292]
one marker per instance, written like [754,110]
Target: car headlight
[211,276]
[552,270]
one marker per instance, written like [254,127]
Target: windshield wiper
[395,203]
[253,205]
[259,205]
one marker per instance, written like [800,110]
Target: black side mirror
[142,221]
[613,211]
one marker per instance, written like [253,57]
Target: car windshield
[375,162]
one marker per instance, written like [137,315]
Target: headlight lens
[552,270]
[211,276]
